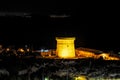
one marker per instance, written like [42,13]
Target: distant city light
[118,52]
[46,78]
[22,14]
[42,50]
[59,16]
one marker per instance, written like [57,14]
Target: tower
[65,47]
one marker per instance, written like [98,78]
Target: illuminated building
[65,47]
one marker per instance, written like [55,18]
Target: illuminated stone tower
[65,47]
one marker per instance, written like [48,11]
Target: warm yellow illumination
[104,55]
[65,47]
[80,78]
[28,50]
[21,50]
[8,49]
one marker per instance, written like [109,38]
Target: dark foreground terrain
[30,68]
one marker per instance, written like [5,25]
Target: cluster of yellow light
[21,50]
[113,58]
[81,53]
[104,55]
[8,49]
[28,50]
[65,47]
[85,54]
[107,57]
[80,78]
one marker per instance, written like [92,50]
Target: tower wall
[65,47]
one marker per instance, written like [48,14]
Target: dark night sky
[98,31]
